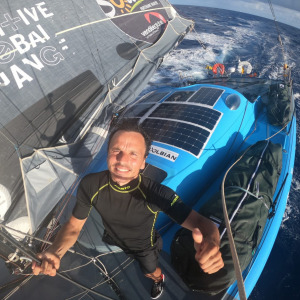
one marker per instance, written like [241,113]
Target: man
[128,203]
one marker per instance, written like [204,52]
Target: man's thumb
[197,236]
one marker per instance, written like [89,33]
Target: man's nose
[122,156]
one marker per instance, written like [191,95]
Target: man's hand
[208,254]
[50,263]
[206,242]
[65,239]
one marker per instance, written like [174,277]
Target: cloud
[292,4]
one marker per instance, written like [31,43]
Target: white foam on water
[210,21]
[292,212]
[296,184]
[297,96]
[288,215]
[226,46]
[191,63]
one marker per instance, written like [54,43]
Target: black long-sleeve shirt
[128,212]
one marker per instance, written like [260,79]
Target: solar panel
[203,116]
[181,96]
[206,95]
[153,97]
[137,110]
[181,135]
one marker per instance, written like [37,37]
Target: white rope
[237,267]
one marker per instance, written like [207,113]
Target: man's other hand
[208,253]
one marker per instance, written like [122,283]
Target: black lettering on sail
[150,18]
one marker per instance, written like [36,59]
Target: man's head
[128,147]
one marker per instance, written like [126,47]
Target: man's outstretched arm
[65,239]
[206,242]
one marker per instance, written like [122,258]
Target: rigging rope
[278,32]
[18,287]
[22,250]
[236,263]
[198,39]
[108,278]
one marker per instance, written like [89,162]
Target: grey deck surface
[131,282]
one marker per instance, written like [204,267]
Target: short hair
[133,126]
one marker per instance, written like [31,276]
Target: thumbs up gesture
[206,242]
[207,255]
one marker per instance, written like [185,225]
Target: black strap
[273,206]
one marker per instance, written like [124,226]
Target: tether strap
[242,189]
[249,193]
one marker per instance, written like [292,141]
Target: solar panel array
[196,114]
[186,119]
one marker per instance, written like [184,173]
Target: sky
[286,11]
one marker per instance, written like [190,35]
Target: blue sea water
[229,36]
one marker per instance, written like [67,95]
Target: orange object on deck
[218,67]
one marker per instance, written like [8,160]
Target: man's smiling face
[126,156]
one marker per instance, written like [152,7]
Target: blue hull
[220,130]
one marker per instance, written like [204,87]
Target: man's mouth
[122,168]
